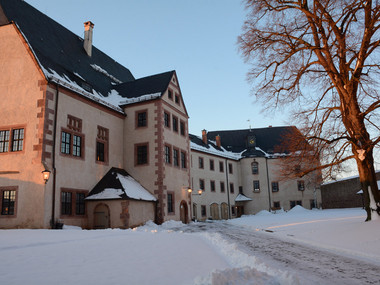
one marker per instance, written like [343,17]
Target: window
[175,157]
[256,186]
[167,120]
[276,206]
[222,190]
[232,189]
[141,119]
[202,184]
[200,163]
[167,154]
[240,189]
[301,185]
[141,154]
[102,145]
[221,166]
[170,94]
[170,203]
[177,99]
[275,186]
[183,159]
[182,128]
[203,211]
[212,164]
[295,203]
[255,168]
[175,124]
[79,204]
[8,201]
[12,140]
[66,199]
[212,185]
[72,202]
[72,139]
[230,168]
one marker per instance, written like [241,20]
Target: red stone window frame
[139,161]
[141,122]
[170,198]
[4,213]
[167,119]
[175,123]
[102,138]
[182,128]
[71,206]
[74,130]
[168,154]
[8,139]
[176,157]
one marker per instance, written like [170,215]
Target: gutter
[53,224]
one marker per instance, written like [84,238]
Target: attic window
[177,99]
[86,87]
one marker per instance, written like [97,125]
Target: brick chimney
[218,142]
[204,136]
[87,44]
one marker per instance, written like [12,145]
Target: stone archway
[101,216]
[183,212]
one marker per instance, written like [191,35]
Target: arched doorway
[183,212]
[101,216]
[214,209]
[224,211]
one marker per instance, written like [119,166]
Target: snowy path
[311,265]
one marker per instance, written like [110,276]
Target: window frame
[222,187]
[72,204]
[183,159]
[275,186]
[232,188]
[201,164]
[8,144]
[14,206]
[74,129]
[168,154]
[170,207]
[102,138]
[212,186]
[212,165]
[137,155]
[256,183]
[221,166]
[182,127]
[141,123]
[203,211]
[175,123]
[176,157]
[202,185]
[255,170]
[166,120]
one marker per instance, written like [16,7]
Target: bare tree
[322,57]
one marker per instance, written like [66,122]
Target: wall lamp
[199,192]
[46,175]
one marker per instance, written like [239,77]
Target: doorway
[183,212]
[101,217]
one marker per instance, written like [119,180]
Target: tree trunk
[367,177]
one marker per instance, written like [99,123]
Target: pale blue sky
[196,38]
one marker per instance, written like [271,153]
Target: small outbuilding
[119,201]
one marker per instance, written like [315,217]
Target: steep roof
[63,59]
[118,184]
[268,140]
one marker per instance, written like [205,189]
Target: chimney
[218,142]
[204,136]
[87,44]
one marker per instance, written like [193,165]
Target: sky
[196,38]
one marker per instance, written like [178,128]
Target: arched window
[255,167]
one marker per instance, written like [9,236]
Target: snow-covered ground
[169,254]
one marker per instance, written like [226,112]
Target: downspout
[53,225]
[269,199]
[228,192]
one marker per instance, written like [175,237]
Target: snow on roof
[142,98]
[214,151]
[133,189]
[101,70]
[108,193]
[242,198]
[66,82]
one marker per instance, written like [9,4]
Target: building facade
[72,111]
[238,173]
